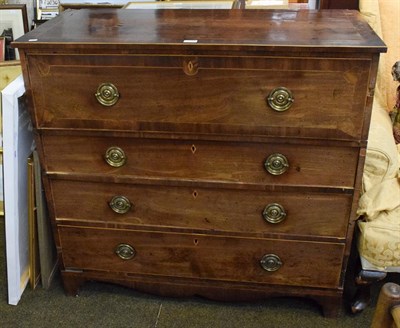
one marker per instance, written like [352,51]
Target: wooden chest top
[256,30]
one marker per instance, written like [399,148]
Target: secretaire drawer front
[201,256]
[203,161]
[299,97]
[202,209]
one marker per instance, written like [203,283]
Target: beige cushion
[382,159]
[379,241]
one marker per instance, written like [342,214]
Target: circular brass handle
[271,262]
[274,213]
[276,164]
[107,94]
[125,251]
[115,157]
[120,204]
[280,99]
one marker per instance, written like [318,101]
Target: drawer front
[202,94]
[202,209]
[246,163]
[201,256]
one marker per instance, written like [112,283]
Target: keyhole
[193,149]
[195,241]
[190,66]
[195,194]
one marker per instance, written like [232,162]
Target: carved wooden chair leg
[364,280]
[387,313]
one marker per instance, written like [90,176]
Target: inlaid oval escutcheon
[274,213]
[115,157]
[120,204]
[271,262]
[280,99]
[276,164]
[107,94]
[125,251]
[191,66]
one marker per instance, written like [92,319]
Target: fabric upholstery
[379,206]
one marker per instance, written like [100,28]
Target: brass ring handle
[115,157]
[120,204]
[271,262]
[276,164]
[274,213]
[107,94]
[280,99]
[125,251]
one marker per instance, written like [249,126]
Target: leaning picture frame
[13,24]
[2,48]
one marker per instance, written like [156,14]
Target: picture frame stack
[13,24]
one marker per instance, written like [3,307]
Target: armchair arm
[387,313]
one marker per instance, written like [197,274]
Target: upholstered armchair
[378,240]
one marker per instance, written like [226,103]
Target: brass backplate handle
[274,213]
[125,251]
[280,99]
[120,204]
[107,94]
[276,164]
[115,156]
[271,262]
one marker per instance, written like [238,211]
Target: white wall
[29,8]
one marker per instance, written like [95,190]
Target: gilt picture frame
[2,48]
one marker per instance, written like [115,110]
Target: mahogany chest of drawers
[216,153]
